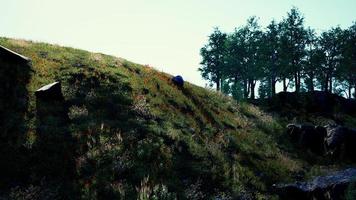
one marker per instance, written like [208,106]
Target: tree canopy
[285,52]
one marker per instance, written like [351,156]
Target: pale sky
[166,34]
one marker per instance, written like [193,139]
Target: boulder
[351,144]
[50,104]
[330,187]
[340,142]
[178,80]
[336,141]
[294,131]
[308,136]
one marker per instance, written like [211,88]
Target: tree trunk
[331,84]
[217,84]
[350,88]
[284,85]
[326,84]
[252,84]
[248,88]
[311,84]
[245,89]
[297,87]
[273,86]
[298,76]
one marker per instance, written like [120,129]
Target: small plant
[35,192]
[141,106]
[156,192]
[29,193]
[194,192]
[77,112]
[144,191]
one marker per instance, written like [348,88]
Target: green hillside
[136,135]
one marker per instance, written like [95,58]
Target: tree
[244,57]
[236,68]
[294,38]
[254,54]
[331,43]
[313,62]
[285,51]
[348,60]
[271,48]
[213,55]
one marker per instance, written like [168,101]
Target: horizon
[165,35]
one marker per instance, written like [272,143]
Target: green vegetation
[138,136]
[286,52]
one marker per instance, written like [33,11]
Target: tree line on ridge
[284,52]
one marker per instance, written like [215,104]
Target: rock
[351,144]
[51,107]
[308,136]
[178,80]
[336,141]
[55,145]
[331,187]
[340,142]
[294,131]
[50,92]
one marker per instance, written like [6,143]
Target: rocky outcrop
[308,136]
[340,142]
[331,187]
[336,141]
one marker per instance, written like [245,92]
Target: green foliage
[243,57]
[213,58]
[286,52]
[157,192]
[32,192]
[129,122]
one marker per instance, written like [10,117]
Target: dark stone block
[50,92]
[55,144]
[15,74]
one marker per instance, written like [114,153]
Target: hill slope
[135,135]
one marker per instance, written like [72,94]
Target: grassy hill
[135,135]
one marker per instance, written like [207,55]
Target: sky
[165,34]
